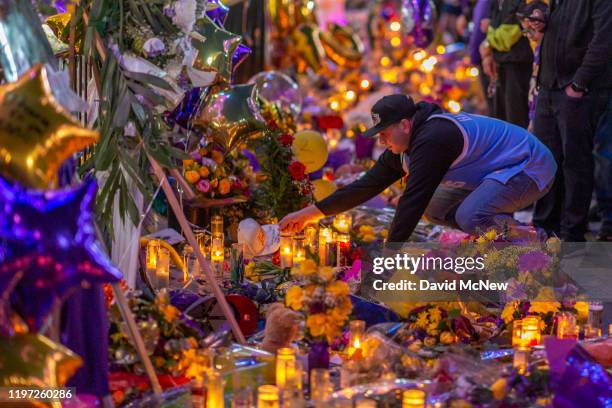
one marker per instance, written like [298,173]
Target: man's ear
[406,125]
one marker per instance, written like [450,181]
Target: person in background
[481,11]
[603,172]
[533,16]
[575,79]
[511,64]
[450,11]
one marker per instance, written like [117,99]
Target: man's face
[396,137]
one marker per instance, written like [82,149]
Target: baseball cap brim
[374,130]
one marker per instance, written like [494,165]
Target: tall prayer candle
[413,398]
[214,390]
[298,249]
[517,329]
[310,235]
[285,367]
[286,250]
[162,271]
[267,396]
[216,226]
[566,325]
[343,242]
[326,239]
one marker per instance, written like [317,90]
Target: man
[466,171]
[575,79]
[510,63]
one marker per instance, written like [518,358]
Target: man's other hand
[296,221]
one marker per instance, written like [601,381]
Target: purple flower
[533,261]
[516,291]
[203,186]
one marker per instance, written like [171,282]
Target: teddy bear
[282,325]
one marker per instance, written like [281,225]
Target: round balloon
[276,87]
[323,188]
[310,148]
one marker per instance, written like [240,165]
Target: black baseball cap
[389,110]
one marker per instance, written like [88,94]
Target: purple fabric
[364,146]
[481,11]
[85,331]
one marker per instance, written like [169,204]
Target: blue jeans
[603,167]
[490,205]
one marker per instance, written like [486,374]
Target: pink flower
[203,186]
[452,238]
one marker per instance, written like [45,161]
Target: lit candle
[343,242]
[151,261]
[310,235]
[214,390]
[298,249]
[366,403]
[521,359]
[530,333]
[356,337]
[286,246]
[267,396]
[343,223]
[566,324]
[216,226]
[320,385]
[217,250]
[413,399]
[191,266]
[326,239]
[517,326]
[162,271]
[285,367]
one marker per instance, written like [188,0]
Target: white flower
[185,14]
[154,47]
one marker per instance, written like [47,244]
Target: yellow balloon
[310,148]
[36,134]
[323,188]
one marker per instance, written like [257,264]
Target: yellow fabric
[504,37]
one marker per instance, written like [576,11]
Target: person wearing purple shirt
[482,11]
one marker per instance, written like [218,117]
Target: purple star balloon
[241,53]
[217,12]
[51,238]
[186,109]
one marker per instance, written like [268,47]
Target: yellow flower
[188,163]
[308,267]
[429,341]
[368,238]
[338,315]
[217,156]
[508,312]
[583,310]
[338,288]
[432,329]
[366,229]
[192,342]
[316,324]
[499,389]
[447,337]
[415,346]
[422,320]
[294,298]
[170,313]
[491,235]
[192,176]
[326,273]
[435,314]
[481,240]
[544,307]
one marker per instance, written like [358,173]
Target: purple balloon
[186,109]
[50,237]
[418,20]
[217,13]
[241,53]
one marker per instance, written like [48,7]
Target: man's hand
[573,94]
[484,25]
[296,221]
[489,67]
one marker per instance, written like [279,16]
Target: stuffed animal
[282,325]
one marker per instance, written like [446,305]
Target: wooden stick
[187,190]
[134,334]
[204,265]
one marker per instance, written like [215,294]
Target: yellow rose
[326,273]
[192,176]
[316,324]
[338,288]
[499,389]
[294,298]
[224,186]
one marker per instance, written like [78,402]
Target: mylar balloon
[215,48]
[322,189]
[241,53]
[231,116]
[36,134]
[282,14]
[310,148]
[308,48]
[343,46]
[418,16]
[217,12]
[276,87]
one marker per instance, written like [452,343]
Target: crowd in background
[546,65]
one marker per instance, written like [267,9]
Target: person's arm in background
[599,51]
[430,158]
[386,171]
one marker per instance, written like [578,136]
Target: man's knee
[470,221]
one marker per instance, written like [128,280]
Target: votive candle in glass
[413,398]
[217,250]
[320,385]
[286,250]
[326,239]
[267,396]
[566,325]
[356,336]
[343,245]
[521,359]
[343,223]
[310,238]
[530,333]
[216,226]
[191,266]
[151,261]
[517,329]
[214,390]
[285,367]
[162,271]
[298,249]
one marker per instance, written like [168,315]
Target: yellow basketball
[323,188]
[310,148]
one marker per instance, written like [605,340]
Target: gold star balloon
[231,116]
[36,133]
[215,48]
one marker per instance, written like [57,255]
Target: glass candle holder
[298,249]
[217,250]
[343,248]
[343,223]
[310,238]
[204,243]
[595,318]
[530,334]
[517,329]
[566,325]
[356,336]
[286,250]
[237,263]
[267,396]
[151,254]
[365,403]
[413,398]
[285,367]
[191,266]
[214,390]
[326,240]
[521,359]
[162,271]
[320,385]
[216,226]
